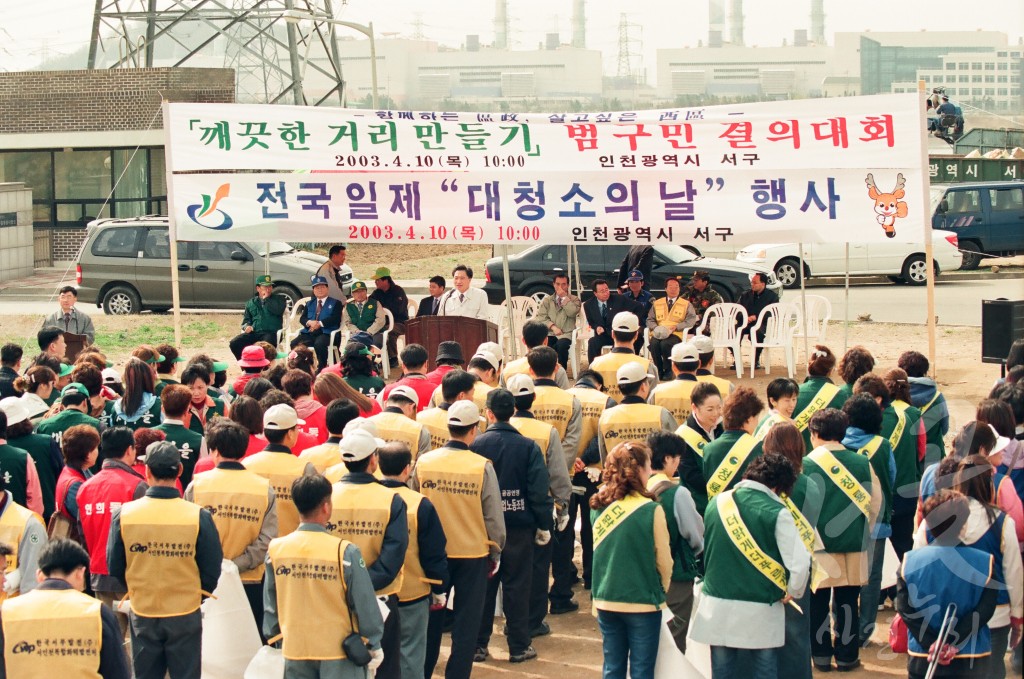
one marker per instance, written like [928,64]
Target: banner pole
[929,260]
[803,301]
[513,336]
[172,228]
[846,302]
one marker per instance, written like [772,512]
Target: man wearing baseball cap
[636,292]
[373,518]
[701,295]
[625,328]
[706,371]
[397,422]
[363,318]
[484,366]
[669,317]
[464,489]
[263,317]
[392,297]
[168,553]
[523,478]
[278,464]
[322,317]
[674,395]
[74,398]
[633,419]
[456,385]
[535,334]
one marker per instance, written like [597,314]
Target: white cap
[463,414]
[406,392]
[491,359]
[520,385]
[362,423]
[703,344]
[1000,444]
[111,376]
[625,321]
[631,372]
[281,416]
[357,445]
[15,410]
[685,352]
[494,348]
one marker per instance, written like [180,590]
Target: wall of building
[16,257]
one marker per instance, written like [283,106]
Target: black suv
[532,269]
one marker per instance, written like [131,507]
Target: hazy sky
[29,31]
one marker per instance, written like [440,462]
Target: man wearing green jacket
[263,317]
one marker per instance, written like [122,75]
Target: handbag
[355,648]
[898,635]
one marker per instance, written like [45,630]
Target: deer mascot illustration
[888,206]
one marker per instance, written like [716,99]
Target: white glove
[376,659]
[660,332]
[542,537]
[438,601]
[561,521]
[495,565]
[594,474]
[12,583]
[124,606]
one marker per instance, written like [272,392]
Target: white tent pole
[929,260]
[172,229]
[846,303]
[508,303]
[266,258]
[803,301]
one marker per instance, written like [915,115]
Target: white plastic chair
[385,359]
[723,323]
[285,334]
[523,309]
[780,322]
[815,318]
[578,340]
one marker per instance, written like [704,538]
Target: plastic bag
[230,637]
[268,663]
[898,635]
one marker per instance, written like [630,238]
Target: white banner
[822,170]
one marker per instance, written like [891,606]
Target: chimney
[818,22]
[736,23]
[579,24]
[551,41]
[501,25]
[716,22]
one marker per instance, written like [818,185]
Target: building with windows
[989,80]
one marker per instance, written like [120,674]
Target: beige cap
[357,445]
[704,345]
[520,385]
[494,348]
[463,414]
[685,352]
[406,392]
[281,416]
[491,359]
[631,372]
[625,321]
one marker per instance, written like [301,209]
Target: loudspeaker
[1002,321]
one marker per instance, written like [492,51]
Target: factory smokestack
[716,22]
[500,25]
[579,24]
[736,22]
[818,22]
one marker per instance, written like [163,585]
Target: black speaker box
[1002,322]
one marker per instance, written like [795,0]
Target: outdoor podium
[431,330]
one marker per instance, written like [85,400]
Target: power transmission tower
[626,46]
[271,56]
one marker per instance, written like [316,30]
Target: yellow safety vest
[608,367]
[281,469]
[436,422]
[12,528]
[519,366]
[237,499]
[361,515]
[674,397]
[480,390]
[628,422]
[592,404]
[693,438]
[322,456]
[730,464]
[670,318]
[160,545]
[554,406]
[453,480]
[394,427]
[535,430]
[415,584]
[725,387]
[312,607]
[53,633]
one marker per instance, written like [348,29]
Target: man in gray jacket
[559,312]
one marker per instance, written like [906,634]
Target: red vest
[97,499]
[68,476]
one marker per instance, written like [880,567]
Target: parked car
[987,218]
[125,267]
[902,262]
[532,269]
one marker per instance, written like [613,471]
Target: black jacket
[7,377]
[616,303]
[522,475]
[755,303]
[394,300]
[426,307]
[431,541]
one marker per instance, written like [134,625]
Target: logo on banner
[888,206]
[199,212]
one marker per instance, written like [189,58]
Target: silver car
[125,267]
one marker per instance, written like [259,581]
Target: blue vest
[991,542]
[938,576]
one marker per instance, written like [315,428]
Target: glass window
[132,178]
[81,185]
[216,251]
[964,201]
[157,172]
[976,65]
[1007,200]
[35,168]
[117,242]
[555,254]
[158,245]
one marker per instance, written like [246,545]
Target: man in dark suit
[754,301]
[321,318]
[600,310]
[429,305]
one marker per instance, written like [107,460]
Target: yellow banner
[872,447]
[730,464]
[693,438]
[842,477]
[766,424]
[809,537]
[615,514]
[744,541]
[824,396]
[901,424]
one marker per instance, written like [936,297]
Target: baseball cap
[281,416]
[684,352]
[1000,445]
[163,458]
[357,445]
[381,272]
[491,359]
[75,387]
[65,370]
[357,285]
[111,376]
[220,366]
[700,274]
[635,275]
[704,345]
[631,372]
[253,357]
[494,348]
[361,423]
[625,321]
[463,414]
[317,280]
[15,410]
[520,385]
[264,280]
[406,392]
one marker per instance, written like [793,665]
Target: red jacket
[98,497]
[68,477]
[315,416]
[424,389]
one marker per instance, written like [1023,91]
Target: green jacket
[55,426]
[905,491]
[684,561]
[13,464]
[265,315]
[41,448]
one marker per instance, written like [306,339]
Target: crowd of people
[701,504]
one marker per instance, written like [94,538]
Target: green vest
[905,452]
[217,411]
[847,532]
[716,451]
[728,573]
[362,320]
[188,444]
[38,446]
[625,569]
[880,463]
[684,562]
[806,394]
[55,426]
[149,419]
[13,462]
[807,498]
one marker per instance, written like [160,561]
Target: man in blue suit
[321,318]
